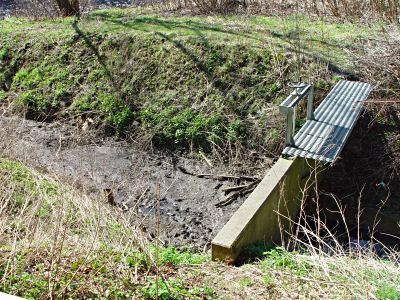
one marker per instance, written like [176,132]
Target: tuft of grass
[388,293]
[173,289]
[3,53]
[176,258]
[56,241]
[279,258]
[340,276]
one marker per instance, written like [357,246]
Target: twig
[239,191]
[227,177]
[218,177]
[229,189]
[206,159]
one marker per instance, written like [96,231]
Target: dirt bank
[188,215]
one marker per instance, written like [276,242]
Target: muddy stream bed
[189,217]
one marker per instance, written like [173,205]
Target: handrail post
[290,126]
[289,105]
[310,103]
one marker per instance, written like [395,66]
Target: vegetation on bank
[58,243]
[180,82]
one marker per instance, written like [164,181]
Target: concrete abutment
[268,213]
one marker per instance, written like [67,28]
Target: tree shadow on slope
[152,24]
[168,30]
[199,29]
[285,41]
[95,51]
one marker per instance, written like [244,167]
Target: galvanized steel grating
[323,137]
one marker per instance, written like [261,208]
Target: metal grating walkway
[323,137]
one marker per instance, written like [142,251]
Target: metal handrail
[288,108]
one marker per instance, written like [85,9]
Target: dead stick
[235,195]
[239,187]
[227,177]
[229,189]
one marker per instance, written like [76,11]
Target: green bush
[28,78]
[175,257]
[2,95]
[36,102]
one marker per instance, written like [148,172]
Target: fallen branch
[227,177]
[218,177]
[229,189]
[238,192]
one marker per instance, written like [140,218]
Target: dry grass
[58,243]
[39,9]
[344,9]
[44,223]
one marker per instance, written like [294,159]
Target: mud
[136,178]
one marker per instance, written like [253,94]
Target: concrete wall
[267,212]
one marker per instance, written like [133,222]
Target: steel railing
[289,105]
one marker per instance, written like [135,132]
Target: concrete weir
[268,213]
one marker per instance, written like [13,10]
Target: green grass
[364,274]
[185,82]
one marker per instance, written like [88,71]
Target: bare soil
[127,177]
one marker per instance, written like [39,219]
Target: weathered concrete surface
[268,212]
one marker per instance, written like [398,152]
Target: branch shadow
[140,22]
[197,28]
[98,56]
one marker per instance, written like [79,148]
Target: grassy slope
[55,241]
[174,79]
[181,81]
